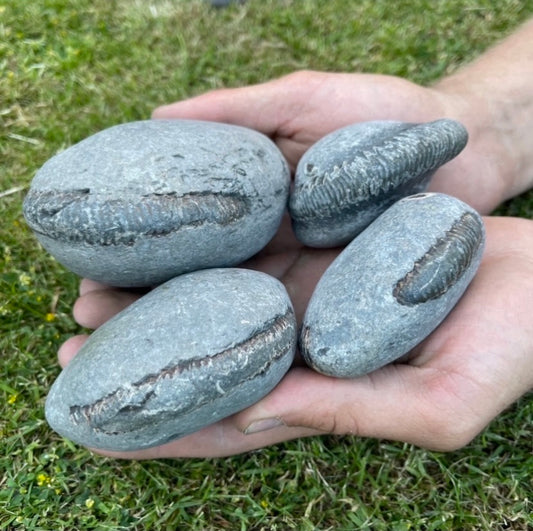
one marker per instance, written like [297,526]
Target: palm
[297,266]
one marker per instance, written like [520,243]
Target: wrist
[493,98]
[492,164]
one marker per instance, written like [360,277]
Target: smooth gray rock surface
[392,286]
[195,350]
[142,202]
[349,177]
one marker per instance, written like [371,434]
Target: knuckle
[338,421]
[301,76]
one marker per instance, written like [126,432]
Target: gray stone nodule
[392,285]
[196,349]
[139,203]
[351,176]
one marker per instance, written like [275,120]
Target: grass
[69,69]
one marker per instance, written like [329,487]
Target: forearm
[494,97]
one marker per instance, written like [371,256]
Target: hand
[473,366]
[299,109]
[445,392]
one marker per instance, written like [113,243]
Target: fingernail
[263,425]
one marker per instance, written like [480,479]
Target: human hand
[299,109]
[296,111]
[476,363]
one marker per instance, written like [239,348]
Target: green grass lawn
[71,68]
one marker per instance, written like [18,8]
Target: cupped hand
[474,365]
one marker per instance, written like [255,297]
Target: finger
[94,308]
[218,440]
[87,285]
[398,402]
[271,108]
[70,348]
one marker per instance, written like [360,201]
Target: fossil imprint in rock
[142,202]
[349,177]
[195,350]
[392,286]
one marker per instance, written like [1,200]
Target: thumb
[265,107]
[398,402]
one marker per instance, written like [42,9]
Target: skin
[480,359]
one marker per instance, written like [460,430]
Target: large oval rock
[392,285]
[193,351]
[141,202]
[349,177]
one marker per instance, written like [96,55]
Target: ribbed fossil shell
[443,264]
[141,202]
[392,285]
[345,180]
[193,351]
[75,217]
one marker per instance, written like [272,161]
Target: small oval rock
[196,349]
[142,202]
[392,286]
[349,177]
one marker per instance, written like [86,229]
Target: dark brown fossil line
[303,344]
[407,156]
[443,264]
[79,216]
[111,414]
